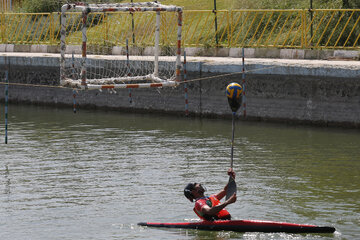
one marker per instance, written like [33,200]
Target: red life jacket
[211,202]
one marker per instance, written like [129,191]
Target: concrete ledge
[237,52]
[39,48]
[291,90]
[117,51]
[53,49]
[197,51]
[292,54]
[3,47]
[22,48]
[347,54]
[149,51]
[73,49]
[191,51]
[267,53]
[222,52]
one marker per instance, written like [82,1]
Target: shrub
[40,6]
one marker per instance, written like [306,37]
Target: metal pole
[133,26]
[186,88]
[157,40]
[83,49]
[62,44]
[74,78]
[128,67]
[243,82]
[6,105]
[311,19]
[74,100]
[178,51]
[200,86]
[216,25]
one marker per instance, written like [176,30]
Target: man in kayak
[209,207]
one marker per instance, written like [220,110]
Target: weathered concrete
[324,54]
[305,91]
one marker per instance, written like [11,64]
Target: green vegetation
[54,5]
[260,4]
[251,28]
[40,6]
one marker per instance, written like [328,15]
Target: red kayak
[244,226]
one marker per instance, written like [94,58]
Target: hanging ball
[233,93]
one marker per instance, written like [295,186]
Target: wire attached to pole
[6,104]
[186,88]
[243,82]
[74,101]
[128,68]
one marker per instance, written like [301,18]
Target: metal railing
[331,29]
[5,5]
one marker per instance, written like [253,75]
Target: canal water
[96,174]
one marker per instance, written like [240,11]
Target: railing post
[216,25]
[228,28]
[2,20]
[303,29]
[52,28]
[6,103]
[132,26]
[311,18]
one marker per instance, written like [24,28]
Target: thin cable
[225,75]
[192,80]
[33,85]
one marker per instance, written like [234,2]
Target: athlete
[209,207]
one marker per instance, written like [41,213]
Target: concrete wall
[304,91]
[209,52]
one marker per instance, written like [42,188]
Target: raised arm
[222,193]
[212,211]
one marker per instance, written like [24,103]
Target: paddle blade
[231,188]
[233,94]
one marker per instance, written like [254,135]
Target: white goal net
[124,45]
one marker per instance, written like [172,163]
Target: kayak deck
[244,226]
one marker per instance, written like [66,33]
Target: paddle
[233,93]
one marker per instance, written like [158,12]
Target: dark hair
[187,191]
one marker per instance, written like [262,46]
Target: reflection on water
[96,174]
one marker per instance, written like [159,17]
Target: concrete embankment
[305,91]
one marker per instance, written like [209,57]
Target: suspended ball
[233,91]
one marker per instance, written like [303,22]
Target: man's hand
[231,200]
[231,173]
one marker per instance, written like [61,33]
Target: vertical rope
[6,105]
[185,87]
[243,82]
[128,67]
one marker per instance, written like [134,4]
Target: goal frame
[119,7]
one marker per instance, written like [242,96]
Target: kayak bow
[244,226]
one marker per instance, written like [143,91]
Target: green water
[95,175]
